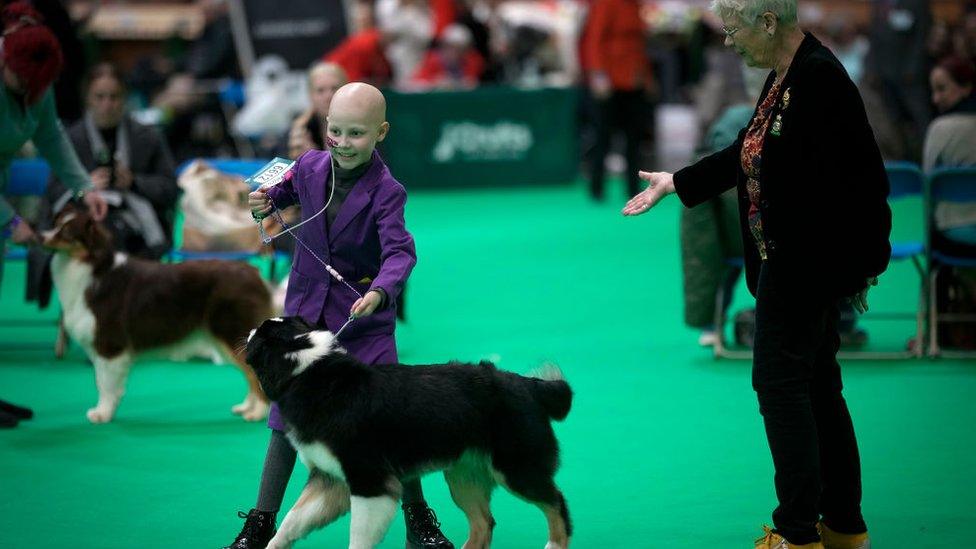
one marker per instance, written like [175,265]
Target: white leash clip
[348,322]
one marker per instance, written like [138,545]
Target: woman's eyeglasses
[730,31]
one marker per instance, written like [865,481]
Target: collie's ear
[97,242]
[96,235]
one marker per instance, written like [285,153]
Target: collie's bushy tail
[551,391]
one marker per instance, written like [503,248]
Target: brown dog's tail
[551,391]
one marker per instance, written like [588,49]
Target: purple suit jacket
[367,243]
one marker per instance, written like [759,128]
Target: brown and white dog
[120,308]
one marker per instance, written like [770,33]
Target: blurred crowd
[627,56]
[135,113]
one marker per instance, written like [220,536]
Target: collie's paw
[239,409]
[99,415]
[257,411]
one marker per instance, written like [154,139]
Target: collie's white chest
[319,455]
[72,278]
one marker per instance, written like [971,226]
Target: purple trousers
[375,349]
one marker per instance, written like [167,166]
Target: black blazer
[153,170]
[824,188]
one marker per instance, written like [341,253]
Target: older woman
[815,222]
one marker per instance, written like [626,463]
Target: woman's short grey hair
[748,11]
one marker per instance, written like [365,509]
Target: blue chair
[906,182]
[28,177]
[244,167]
[947,186]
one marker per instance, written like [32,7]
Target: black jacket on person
[152,167]
[823,184]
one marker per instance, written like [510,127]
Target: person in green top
[30,59]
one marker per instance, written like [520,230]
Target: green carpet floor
[664,446]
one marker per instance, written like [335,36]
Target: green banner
[488,136]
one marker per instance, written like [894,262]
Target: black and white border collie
[119,308]
[363,429]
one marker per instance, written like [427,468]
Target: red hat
[29,49]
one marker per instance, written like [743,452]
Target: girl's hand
[259,203]
[366,305]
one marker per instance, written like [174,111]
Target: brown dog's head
[77,234]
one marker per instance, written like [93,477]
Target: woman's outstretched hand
[659,185]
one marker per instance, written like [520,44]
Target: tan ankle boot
[772,540]
[836,540]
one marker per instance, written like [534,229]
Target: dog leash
[335,274]
[276,214]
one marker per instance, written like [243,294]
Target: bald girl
[373,243]
[356,123]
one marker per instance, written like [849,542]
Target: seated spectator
[950,137]
[453,64]
[308,129]
[361,54]
[132,166]
[129,158]
[951,141]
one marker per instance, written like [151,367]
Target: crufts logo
[503,140]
